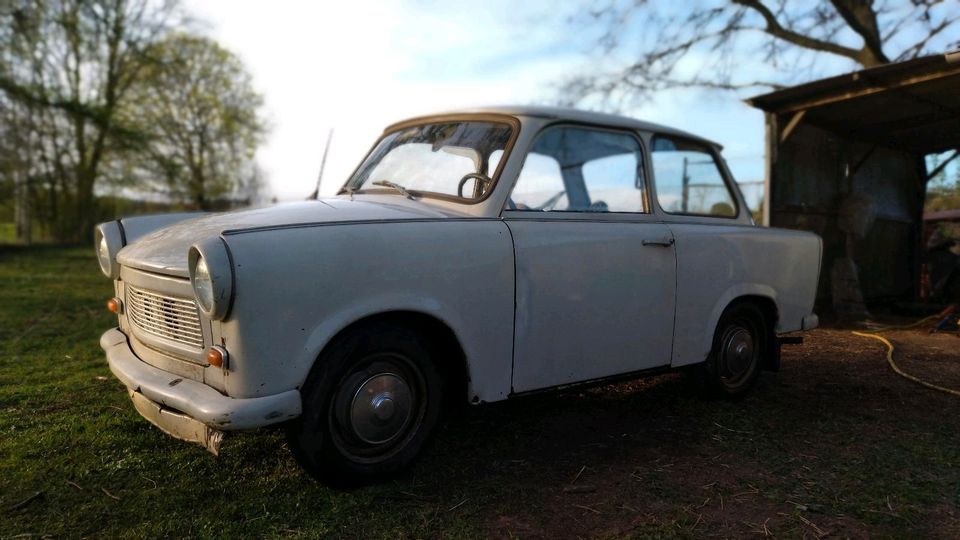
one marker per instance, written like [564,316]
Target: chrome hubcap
[381,408]
[737,352]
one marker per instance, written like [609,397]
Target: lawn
[8,233]
[832,445]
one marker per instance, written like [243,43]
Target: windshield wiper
[403,191]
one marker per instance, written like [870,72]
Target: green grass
[8,233]
[69,434]
[834,441]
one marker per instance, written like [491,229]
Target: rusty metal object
[177,424]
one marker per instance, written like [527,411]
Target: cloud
[358,66]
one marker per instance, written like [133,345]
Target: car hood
[164,250]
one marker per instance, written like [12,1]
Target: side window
[576,169]
[689,180]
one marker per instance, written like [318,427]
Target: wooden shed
[846,159]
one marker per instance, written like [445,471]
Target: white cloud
[358,66]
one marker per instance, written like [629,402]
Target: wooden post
[770,157]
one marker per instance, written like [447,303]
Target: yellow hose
[900,372]
[881,328]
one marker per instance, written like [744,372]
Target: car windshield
[450,159]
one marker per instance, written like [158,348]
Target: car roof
[571,115]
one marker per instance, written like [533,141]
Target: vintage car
[472,257]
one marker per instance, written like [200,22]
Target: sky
[357,66]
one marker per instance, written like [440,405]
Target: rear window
[689,179]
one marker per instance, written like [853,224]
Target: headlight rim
[206,304]
[112,235]
[219,263]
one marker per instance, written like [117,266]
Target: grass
[69,434]
[831,445]
[8,233]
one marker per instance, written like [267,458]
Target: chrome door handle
[662,242]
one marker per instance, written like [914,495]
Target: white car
[472,257]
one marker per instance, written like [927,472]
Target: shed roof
[912,105]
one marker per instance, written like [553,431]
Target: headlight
[103,254]
[203,285]
[211,274]
[108,239]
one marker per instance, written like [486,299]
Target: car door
[595,270]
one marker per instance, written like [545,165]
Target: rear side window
[577,169]
[689,180]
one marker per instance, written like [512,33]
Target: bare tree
[647,46]
[69,65]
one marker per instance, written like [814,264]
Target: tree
[654,45]
[196,105]
[67,67]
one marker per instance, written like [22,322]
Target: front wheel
[369,406]
[739,345]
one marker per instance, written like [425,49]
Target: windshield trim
[510,121]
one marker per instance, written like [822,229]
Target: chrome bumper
[189,409]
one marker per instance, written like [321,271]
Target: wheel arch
[455,369]
[771,312]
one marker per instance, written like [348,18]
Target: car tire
[740,345]
[369,405]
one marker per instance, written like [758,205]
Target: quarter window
[573,169]
[689,180]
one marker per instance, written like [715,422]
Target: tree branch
[862,19]
[916,49]
[775,29]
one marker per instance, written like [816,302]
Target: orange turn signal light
[115,305]
[216,356]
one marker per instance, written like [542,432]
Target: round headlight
[203,285]
[108,240]
[211,274]
[103,254]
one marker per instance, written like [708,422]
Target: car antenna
[323,163]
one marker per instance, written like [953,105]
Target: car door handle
[662,242]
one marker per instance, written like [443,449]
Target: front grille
[171,318]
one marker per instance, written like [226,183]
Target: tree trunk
[22,218]
[86,206]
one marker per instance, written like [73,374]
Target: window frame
[721,168]
[578,215]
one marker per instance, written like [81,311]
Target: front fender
[296,288]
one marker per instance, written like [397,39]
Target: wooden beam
[845,92]
[792,124]
[943,165]
[851,171]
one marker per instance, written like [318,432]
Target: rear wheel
[739,346]
[370,404]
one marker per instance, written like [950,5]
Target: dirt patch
[833,445]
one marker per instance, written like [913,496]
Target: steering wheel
[480,177]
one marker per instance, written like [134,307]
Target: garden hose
[894,366]
[882,328]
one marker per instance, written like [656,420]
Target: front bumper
[184,408]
